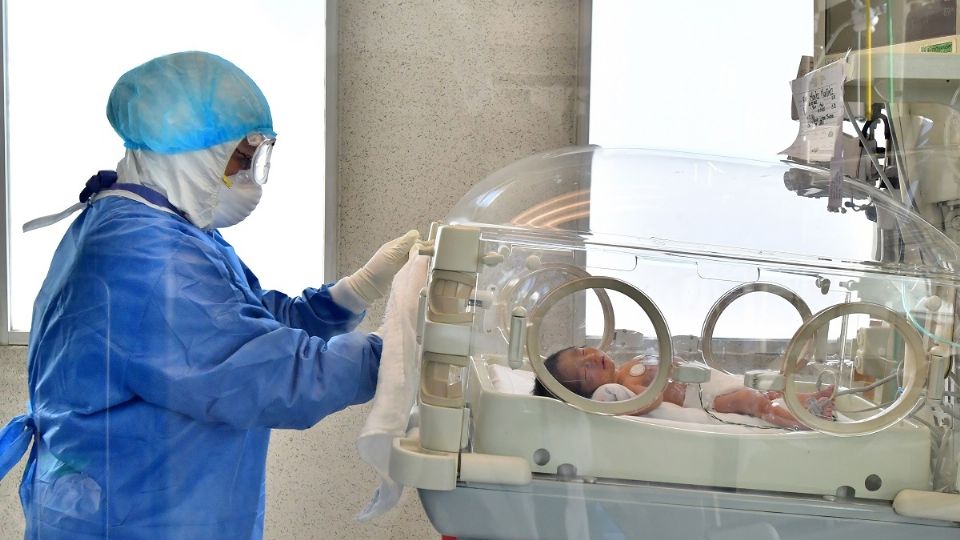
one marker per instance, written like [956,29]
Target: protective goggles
[259,148]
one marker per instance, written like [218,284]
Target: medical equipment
[493,463]
[712,262]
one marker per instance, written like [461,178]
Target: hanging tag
[818,98]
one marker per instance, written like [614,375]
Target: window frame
[331,202]
[581,138]
[584,52]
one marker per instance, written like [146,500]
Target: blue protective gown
[157,366]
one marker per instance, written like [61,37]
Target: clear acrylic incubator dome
[701,275]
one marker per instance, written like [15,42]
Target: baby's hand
[819,403]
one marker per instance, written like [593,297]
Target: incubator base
[550,508]
[648,449]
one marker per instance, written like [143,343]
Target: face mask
[235,203]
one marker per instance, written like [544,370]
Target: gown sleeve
[212,350]
[313,311]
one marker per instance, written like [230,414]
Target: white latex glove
[371,282]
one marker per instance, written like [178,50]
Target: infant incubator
[719,272]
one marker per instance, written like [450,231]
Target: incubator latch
[823,284]
[941,418]
[494,258]
[421,315]
[426,247]
[936,384]
[875,352]
[764,381]
[457,249]
[518,327]
[691,373]
[481,300]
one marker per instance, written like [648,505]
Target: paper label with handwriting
[818,97]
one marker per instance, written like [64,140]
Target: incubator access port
[650,396]
[915,366]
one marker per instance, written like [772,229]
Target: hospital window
[696,76]
[62,57]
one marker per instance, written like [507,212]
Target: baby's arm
[753,403]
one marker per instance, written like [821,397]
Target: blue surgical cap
[186,101]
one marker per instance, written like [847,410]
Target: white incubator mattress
[518,381]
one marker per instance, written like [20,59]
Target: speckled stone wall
[434,95]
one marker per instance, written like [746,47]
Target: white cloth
[515,381]
[511,381]
[612,392]
[397,384]
[720,383]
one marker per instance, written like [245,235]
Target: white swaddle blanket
[698,396]
[397,383]
[518,381]
[698,399]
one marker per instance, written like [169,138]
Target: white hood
[191,181]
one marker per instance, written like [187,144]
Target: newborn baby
[584,369]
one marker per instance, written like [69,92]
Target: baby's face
[584,369]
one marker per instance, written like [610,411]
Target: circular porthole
[872,418]
[521,290]
[710,323]
[628,406]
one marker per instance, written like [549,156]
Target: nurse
[157,363]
